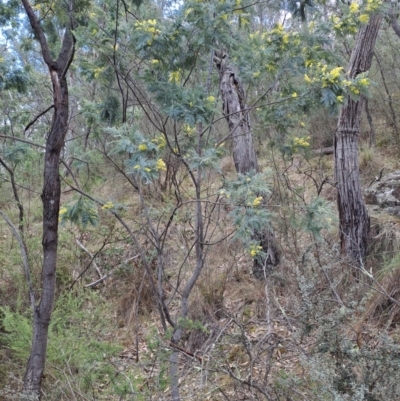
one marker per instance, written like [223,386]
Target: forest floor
[318,329]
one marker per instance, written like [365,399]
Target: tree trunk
[244,155]
[50,197]
[353,215]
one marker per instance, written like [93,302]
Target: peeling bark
[244,155]
[353,214]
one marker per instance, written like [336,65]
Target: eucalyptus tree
[244,155]
[57,70]
[353,214]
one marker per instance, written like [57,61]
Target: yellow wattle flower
[354,7]
[255,250]
[160,165]
[107,206]
[307,79]
[174,76]
[257,201]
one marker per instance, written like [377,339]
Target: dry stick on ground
[90,263]
[110,273]
[91,255]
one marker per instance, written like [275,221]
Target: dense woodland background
[197,248]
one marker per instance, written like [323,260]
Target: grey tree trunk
[50,197]
[244,155]
[353,215]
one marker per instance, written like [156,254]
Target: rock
[385,193]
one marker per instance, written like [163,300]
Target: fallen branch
[324,151]
[91,255]
[101,279]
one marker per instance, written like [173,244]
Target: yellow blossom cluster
[278,29]
[149,27]
[258,35]
[277,38]
[364,82]
[160,165]
[254,250]
[336,80]
[142,147]
[354,7]
[174,76]
[108,205]
[257,201]
[98,71]
[343,26]
[350,21]
[62,212]
[146,169]
[210,99]
[188,130]
[301,142]
[372,5]
[322,75]
[160,141]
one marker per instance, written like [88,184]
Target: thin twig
[37,117]
[25,261]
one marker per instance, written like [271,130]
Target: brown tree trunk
[50,197]
[244,155]
[353,215]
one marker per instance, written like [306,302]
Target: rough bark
[372,136]
[244,155]
[50,197]
[237,116]
[394,22]
[353,215]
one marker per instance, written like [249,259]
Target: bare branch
[24,255]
